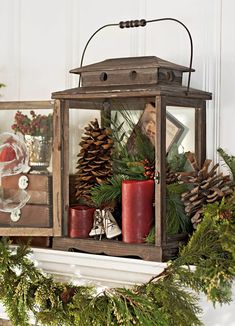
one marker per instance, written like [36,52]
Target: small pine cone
[171,177]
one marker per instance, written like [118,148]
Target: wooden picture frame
[175,130]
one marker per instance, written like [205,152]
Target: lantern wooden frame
[159,81]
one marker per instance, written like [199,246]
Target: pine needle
[108,192]
[177,220]
[229,160]
[175,160]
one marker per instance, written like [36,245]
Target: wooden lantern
[132,83]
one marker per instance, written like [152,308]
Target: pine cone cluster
[94,163]
[207,187]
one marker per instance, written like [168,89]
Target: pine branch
[177,221]
[150,238]
[108,192]
[229,160]
[129,168]
[143,147]
[130,307]
[175,160]
[171,297]
[208,251]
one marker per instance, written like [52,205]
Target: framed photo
[175,130]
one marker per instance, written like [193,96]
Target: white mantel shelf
[105,271]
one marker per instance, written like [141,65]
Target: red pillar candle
[80,221]
[137,209]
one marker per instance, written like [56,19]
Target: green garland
[162,301]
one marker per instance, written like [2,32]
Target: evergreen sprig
[108,192]
[229,160]
[212,250]
[122,154]
[176,219]
[176,161]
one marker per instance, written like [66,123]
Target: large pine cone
[94,163]
[207,187]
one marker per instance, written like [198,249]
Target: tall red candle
[137,209]
[80,221]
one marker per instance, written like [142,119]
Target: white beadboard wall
[42,40]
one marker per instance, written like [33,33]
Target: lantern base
[121,249]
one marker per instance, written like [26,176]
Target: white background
[41,40]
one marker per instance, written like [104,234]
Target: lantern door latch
[157,177]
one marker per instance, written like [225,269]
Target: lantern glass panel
[26,167]
[124,118]
[78,120]
[180,129]
[34,127]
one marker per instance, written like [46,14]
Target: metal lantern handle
[142,23]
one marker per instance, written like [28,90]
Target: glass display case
[26,201]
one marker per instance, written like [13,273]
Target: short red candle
[80,221]
[137,209]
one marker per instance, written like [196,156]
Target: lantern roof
[130,63]
[131,77]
